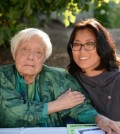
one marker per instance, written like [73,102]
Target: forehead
[85,34]
[34,42]
[85,31]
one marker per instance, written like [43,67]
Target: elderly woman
[33,94]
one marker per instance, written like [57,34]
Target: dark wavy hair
[105,46]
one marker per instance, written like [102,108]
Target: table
[34,130]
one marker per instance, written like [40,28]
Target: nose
[31,56]
[82,48]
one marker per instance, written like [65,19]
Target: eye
[24,50]
[38,54]
[75,44]
[91,43]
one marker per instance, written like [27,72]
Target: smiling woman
[96,68]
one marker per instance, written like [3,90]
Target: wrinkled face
[86,60]
[30,56]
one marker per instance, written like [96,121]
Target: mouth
[29,65]
[83,58]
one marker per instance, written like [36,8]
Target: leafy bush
[114,15]
[101,14]
[108,14]
[19,14]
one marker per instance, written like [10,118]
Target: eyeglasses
[87,46]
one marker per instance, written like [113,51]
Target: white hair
[26,34]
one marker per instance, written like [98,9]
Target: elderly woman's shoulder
[51,69]
[56,72]
[2,67]
[7,68]
[59,74]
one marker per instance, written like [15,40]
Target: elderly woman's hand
[107,125]
[67,100]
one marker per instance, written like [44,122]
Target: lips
[83,58]
[29,65]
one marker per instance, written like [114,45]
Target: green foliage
[101,14]
[114,15]
[19,14]
[73,8]
[108,13]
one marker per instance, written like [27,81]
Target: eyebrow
[89,40]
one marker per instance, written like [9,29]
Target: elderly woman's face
[30,56]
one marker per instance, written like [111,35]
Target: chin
[29,72]
[84,67]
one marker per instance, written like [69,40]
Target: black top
[104,91]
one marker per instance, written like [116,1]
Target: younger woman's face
[86,60]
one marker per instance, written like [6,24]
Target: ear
[14,55]
[44,59]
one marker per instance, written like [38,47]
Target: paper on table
[89,130]
[84,129]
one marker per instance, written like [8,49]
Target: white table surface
[43,130]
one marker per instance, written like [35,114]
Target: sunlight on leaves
[66,22]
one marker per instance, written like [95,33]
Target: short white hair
[26,34]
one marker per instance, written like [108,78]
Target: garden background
[56,18]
